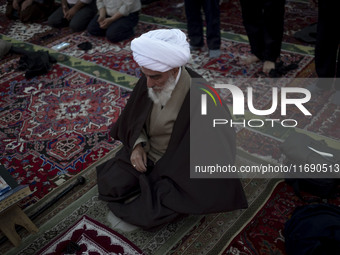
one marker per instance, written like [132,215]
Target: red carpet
[54,126]
[263,235]
[88,236]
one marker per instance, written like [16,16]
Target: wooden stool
[15,216]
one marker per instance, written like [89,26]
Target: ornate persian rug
[298,14]
[54,126]
[88,236]
[263,234]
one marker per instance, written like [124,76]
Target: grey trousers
[79,21]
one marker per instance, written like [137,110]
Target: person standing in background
[327,50]
[263,21]
[193,13]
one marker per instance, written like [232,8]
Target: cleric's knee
[114,182]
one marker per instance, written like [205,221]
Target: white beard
[164,95]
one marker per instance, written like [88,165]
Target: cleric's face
[158,80]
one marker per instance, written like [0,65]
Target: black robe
[165,191]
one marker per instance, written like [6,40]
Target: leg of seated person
[56,19]
[82,18]
[117,180]
[34,12]
[27,15]
[121,29]
[94,29]
[9,9]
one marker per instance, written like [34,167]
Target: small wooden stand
[10,213]
[15,216]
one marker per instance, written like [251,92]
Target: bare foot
[267,66]
[249,60]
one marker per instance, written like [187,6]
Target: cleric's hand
[138,158]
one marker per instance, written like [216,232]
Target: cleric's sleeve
[131,121]
[142,138]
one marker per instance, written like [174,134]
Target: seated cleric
[148,182]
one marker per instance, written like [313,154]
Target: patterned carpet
[264,233]
[72,136]
[54,127]
[89,236]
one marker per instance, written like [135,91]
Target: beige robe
[161,120]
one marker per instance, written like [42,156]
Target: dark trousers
[211,10]
[118,30]
[36,12]
[327,51]
[263,21]
[78,22]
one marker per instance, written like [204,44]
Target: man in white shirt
[73,13]
[116,19]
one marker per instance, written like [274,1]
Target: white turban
[161,50]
